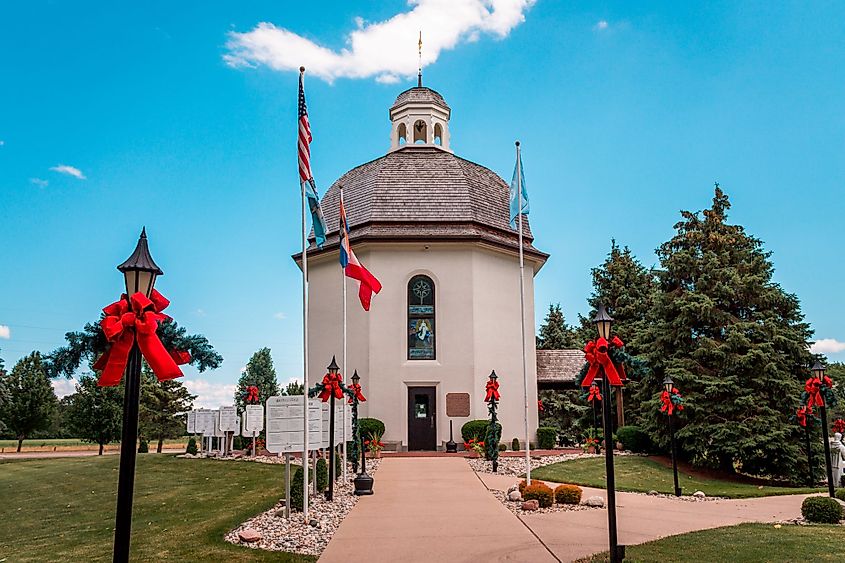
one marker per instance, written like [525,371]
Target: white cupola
[419,117]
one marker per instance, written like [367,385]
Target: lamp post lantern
[603,323]
[818,371]
[668,386]
[140,272]
[333,370]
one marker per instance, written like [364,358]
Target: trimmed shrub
[370,426]
[322,475]
[522,485]
[296,488]
[143,447]
[568,494]
[821,510]
[546,437]
[338,465]
[503,447]
[840,494]
[540,492]
[634,439]
[192,446]
[515,444]
[240,443]
[474,429]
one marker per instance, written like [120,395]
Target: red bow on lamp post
[595,394]
[596,354]
[136,320]
[492,389]
[251,396]
[813,388]
[671,402]
[540,407]
[356,392]
[802,413]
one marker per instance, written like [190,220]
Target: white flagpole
[305,356]
[522,315]
[343,283]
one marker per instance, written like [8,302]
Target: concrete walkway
[642,518]
[431,510]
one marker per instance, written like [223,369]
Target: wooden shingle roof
[420,94]
[556,368]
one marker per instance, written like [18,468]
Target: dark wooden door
[422,418]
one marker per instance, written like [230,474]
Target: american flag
[304,137]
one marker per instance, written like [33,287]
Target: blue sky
[181,117]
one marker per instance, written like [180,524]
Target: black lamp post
[818,371]
[668,386]
[334,369]
[356,433]
[139,272]
[595,388]
[603,322]
[363,482]
[492,434]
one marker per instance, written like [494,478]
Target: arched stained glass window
[421,318]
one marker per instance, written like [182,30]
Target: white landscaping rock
[595,501]
[514,496]
[699,494]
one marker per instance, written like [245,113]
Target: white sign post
[253,423]
[228,423]
[192,422]
[204,426]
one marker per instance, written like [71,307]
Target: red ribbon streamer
[595,393]
[251,395]
[331,386]
[595,352]
[813,388]
[136,320]
[492,391]
[540,406]
[356,390]
[802,414]
[668,406]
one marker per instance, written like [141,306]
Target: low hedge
[546,437]
[821,510]
[474,429]
[370,426]
[322,475]
[840,494]
[633,438]
[192,446]
[540,492]
[568,494]
[515,444]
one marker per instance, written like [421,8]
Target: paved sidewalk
[642,518]
[431,510]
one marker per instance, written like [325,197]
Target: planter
[474,455]
[591,450]
[374,455]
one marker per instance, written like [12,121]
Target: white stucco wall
[477,330]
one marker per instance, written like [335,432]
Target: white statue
[837,458]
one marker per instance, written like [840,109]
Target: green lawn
[10,445]
[63,509]
[746,543]
[639,474]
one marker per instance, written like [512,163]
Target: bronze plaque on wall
[457,404]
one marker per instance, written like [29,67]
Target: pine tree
[30,401]
[163,404]
[294,388]
[554,333]
[733,341]
[95,414]
[627,289]
[4,395]
[259,372]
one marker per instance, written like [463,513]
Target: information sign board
[285,428]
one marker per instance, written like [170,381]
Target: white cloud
[63,386]
[5,332]
[385,49]
[39,182]
[2,142]
[601,25]
[827,346]
[210,395]
[281,315]
[69,170]
[200,312]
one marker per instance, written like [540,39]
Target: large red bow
[136,320]
[331,386]
[251,395]
[839,425]
[356,390]
[492,391]
[813,388]
[802,414]
[596,355]
[595,393]
[668,406]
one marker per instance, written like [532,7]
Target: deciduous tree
[30,400]
[163,405]
[95,414]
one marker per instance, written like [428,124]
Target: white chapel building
[434,229]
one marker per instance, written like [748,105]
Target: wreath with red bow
[819,393]
[671,401]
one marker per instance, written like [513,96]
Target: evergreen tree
[627,290]
[554,333]
[294,388]
[733,341]
[261,373]
[90,343]
[95,414]
[4,395]
[30,400]
[163,404]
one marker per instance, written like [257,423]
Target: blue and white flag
[518,183]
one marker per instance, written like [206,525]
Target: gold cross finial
[419,75]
